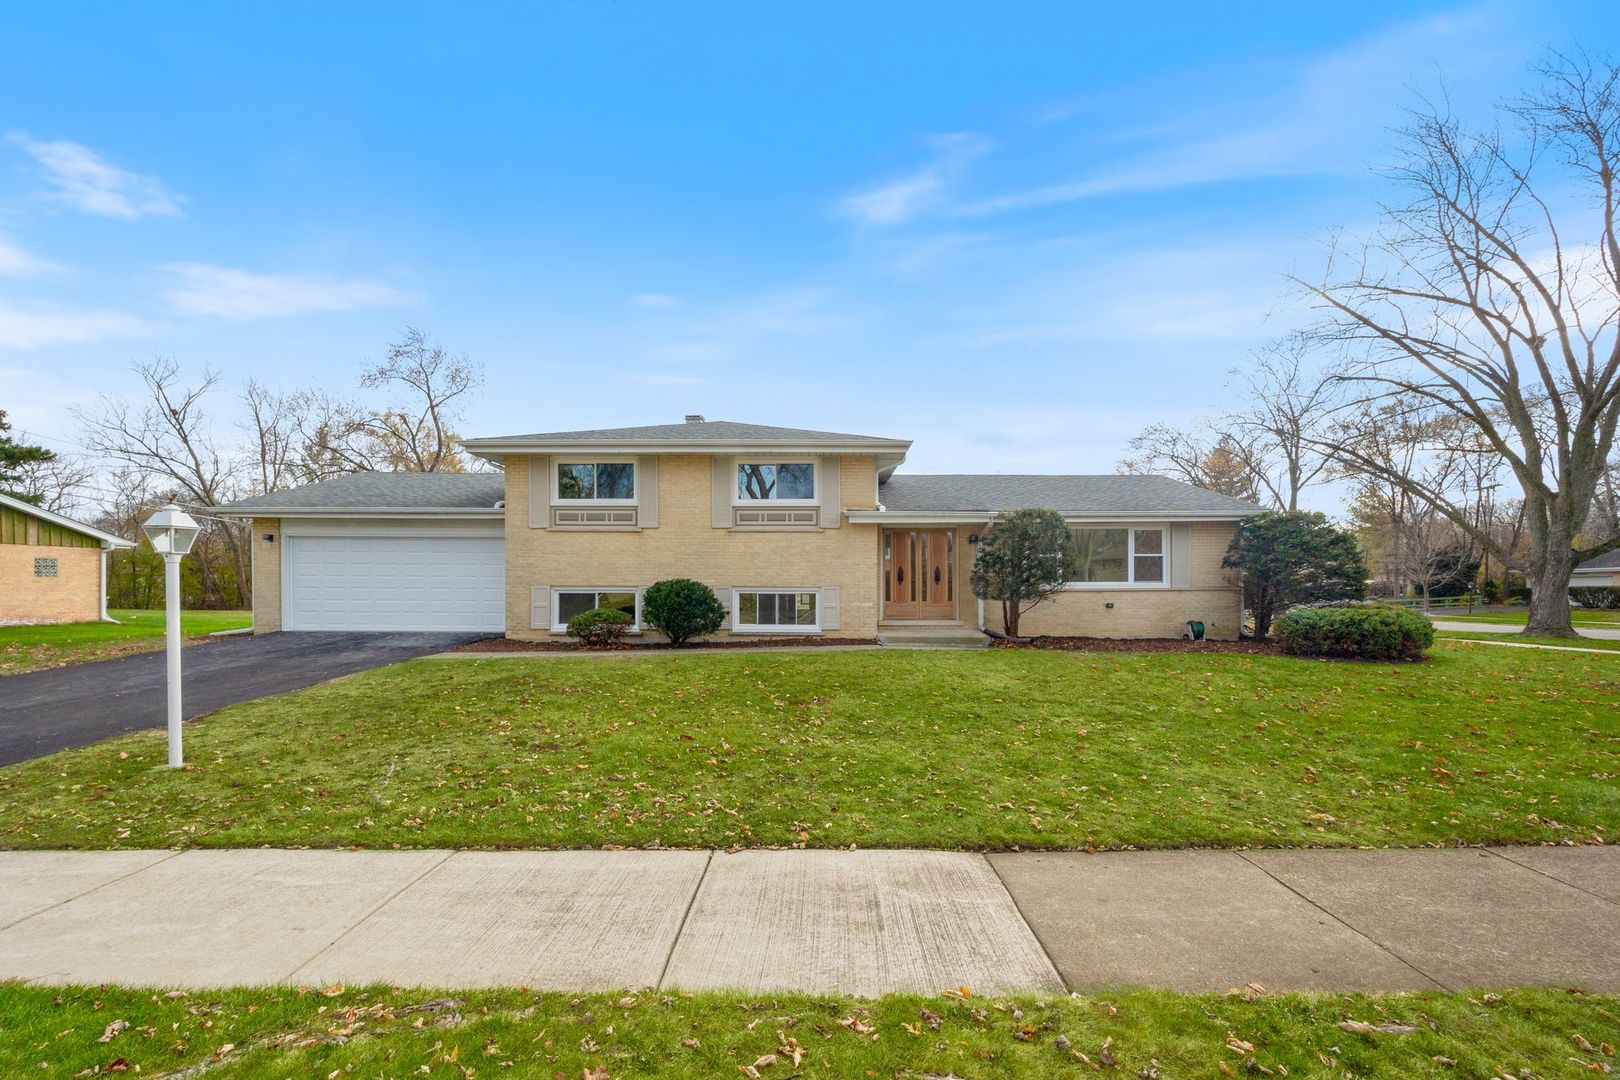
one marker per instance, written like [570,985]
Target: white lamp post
[172,532]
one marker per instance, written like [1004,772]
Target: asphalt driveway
[42,712]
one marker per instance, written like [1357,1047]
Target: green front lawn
[376,1031]
[991,749]
[29,648]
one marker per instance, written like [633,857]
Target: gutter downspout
[104,616]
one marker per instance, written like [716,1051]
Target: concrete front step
[953,635]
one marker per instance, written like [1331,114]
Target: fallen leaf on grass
[1238,1046]
[110,1032]
[1357,1027]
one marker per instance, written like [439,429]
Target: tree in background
[1265,451]
[1478,299]
[1291,557]
[163,446]
[16,459]
[167,439]
[1023,560]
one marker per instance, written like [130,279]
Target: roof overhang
[889,452]
[981,517]
[108,540]
[370,513]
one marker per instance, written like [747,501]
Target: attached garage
[380,552]
[385,580]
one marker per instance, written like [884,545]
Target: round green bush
[683,609]
[1370,632]
[599,626]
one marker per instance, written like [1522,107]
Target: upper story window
[795,480]
[581,481]
[1120,556]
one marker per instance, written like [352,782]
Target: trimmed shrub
[600,627]
[1595,596]
[1371,632]
[683,609]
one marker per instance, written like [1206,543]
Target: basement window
[776,611]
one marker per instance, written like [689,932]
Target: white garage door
[394,583]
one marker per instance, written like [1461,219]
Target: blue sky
[1013,233]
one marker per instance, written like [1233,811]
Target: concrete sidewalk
[859,922]
[1596,633]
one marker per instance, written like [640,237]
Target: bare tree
[1267,450]
[1476,297]
[57,483]
[1209,460]
[1286,410]
[272,423]
[167,439]
[412,432]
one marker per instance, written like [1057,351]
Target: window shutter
[722,485]
[539,491]
[831,502]
[647,491]
[829,609]
[722,593]
[1180,556]
[540,608]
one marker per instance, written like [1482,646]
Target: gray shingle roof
[1103,494]
[386,491]
[1609,560]
[705,431]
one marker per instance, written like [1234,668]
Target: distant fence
[1455,603]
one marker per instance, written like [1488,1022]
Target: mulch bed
[1152,645]
[507,645]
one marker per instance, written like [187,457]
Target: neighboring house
[798,532]
[1602,572]
[52,569]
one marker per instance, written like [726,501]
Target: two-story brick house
[799,532]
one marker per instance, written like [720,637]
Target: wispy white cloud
[244,296]
[1325,116]
[654,301]
[899,200]
[18,261]
[31,329]
[84,180]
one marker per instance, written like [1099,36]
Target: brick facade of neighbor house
[686,543]
[266,550]
[73,594]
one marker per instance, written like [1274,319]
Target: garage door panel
[385,582]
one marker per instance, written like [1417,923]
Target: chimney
[694,418]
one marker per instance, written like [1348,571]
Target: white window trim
[815,482]
[562,627]
[635,480]
[740,627]
[1130,558]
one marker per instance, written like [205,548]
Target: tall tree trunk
[1552,559]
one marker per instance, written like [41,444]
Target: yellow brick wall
[266,575]
[74,595]
[1212,597]
[686,544]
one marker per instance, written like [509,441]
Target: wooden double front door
[919,574]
